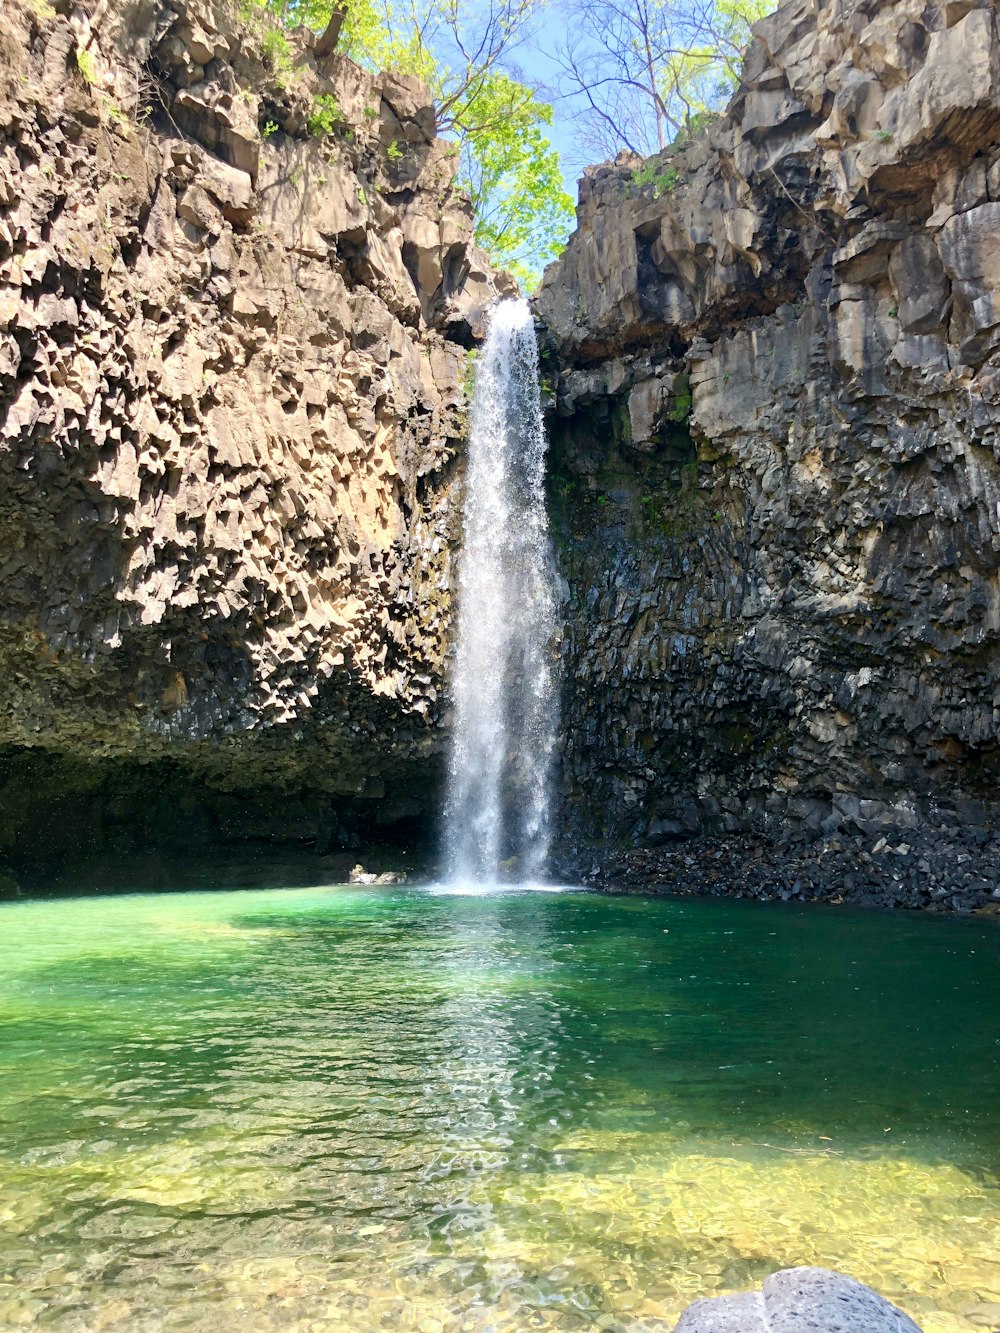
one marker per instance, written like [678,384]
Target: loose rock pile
[939,871]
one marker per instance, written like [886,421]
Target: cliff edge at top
[237,288]
[774,359]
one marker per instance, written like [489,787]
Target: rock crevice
[776,391]
[237,289]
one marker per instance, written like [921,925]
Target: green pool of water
[385,1109]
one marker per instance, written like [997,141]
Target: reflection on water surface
[371,1109]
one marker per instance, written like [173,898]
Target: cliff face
[237,288]
[774,358]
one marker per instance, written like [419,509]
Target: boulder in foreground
[799,1300]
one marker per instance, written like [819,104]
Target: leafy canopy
[462,50]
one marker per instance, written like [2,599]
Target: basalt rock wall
[775,392]
[237,293]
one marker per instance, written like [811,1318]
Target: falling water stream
[497,813]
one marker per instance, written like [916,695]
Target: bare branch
[641,71]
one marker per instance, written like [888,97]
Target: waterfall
[504,724]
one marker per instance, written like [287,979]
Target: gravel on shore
[931,871]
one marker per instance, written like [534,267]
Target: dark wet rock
[773,356]
[799,1300]
[940,871]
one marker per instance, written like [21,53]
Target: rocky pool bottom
[362,1108]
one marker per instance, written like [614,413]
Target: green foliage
[694,123]
[289,14]
[276,48]
[507,162]
[324,116]
[394,152]
[268,128]
[682,400]
[513,177]
[116,116]
[469,373]
[268,20]
[662,182]
[314,14]
[883,136]
[498,122]
[87,65]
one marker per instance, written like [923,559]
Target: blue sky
[536,62]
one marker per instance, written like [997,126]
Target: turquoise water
[377,1108]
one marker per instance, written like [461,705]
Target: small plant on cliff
[662,182]
[277,51]
[394,152]
[268,128]
[883,136]
[275,46]
[463,52]
[117,117]
[681,409]
[324,116]
[87,66]
[469,374]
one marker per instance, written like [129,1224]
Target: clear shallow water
[371,1109]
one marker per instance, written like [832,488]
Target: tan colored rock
[228,448]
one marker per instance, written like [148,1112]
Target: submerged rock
[799,1300]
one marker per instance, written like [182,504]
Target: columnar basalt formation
[237,292]
[773,352]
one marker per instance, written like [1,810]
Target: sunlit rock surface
[799,1300]
[232,351]
[775,385]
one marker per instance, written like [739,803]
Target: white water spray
[505,711]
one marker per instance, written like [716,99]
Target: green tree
[463,50]
[513,177]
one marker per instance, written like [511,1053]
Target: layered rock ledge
[775,390]
[237,292]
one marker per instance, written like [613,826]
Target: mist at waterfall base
[497,812]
